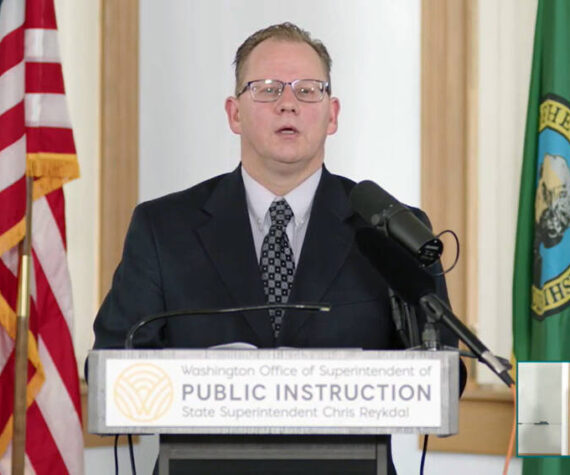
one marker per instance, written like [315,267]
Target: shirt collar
[299,199]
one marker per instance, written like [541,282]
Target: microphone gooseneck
[219,311]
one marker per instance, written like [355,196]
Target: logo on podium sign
[143,392]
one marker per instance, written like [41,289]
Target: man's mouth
[287,130]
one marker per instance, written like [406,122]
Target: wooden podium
[285,411]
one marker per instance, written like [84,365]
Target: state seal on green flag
[551,276]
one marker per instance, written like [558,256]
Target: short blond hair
[286,32]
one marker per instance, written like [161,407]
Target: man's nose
[288,102]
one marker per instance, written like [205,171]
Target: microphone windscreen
[369,199]
[399,269]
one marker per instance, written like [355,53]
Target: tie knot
[280,213]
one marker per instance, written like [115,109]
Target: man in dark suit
[202,247]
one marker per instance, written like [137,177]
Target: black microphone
[380,209]
[399,269]
[219,311]
[403,274]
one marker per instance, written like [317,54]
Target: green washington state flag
[541,285]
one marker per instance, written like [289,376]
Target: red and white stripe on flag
[36,140]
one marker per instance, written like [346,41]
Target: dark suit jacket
[194,249]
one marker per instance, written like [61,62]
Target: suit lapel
[227,239]
[326,246]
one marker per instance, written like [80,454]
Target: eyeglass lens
[269,90]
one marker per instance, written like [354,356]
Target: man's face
[286,136]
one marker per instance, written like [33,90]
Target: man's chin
[283,163]
[296,163]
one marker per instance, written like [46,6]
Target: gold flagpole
[21,357]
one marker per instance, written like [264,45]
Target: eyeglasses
[269,90]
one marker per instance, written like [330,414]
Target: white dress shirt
[300,199]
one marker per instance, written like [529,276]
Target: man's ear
[334,111]
[232,111]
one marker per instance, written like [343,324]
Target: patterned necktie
[277,263]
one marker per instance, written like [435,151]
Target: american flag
[36,140]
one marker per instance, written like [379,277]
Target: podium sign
[283,391]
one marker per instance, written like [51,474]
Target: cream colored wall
[79,38]
[506,32]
